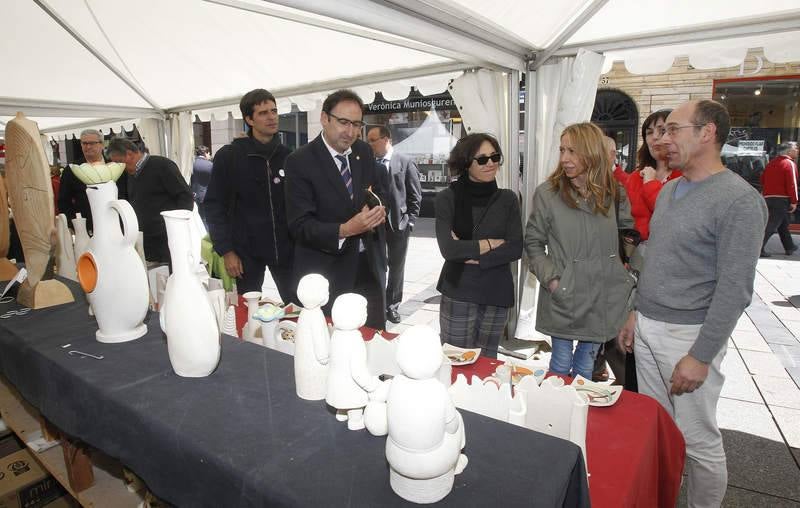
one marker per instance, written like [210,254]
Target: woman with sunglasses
[572,241]
[479,231]
[652,172]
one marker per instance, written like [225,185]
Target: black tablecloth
[241,437]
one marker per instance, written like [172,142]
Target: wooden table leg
[49,431]
[79,465]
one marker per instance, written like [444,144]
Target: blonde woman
[572,242]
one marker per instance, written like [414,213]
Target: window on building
[616,113]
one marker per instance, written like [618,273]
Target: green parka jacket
[580,248]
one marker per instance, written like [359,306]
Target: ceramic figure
[311,339]
[110,271]
[186,314]
[139,246]
[65,250]
[426,432]
[229,322]
[349,379]
[268,317]
[99,172]
[251,328]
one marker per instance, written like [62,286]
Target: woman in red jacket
[651,174]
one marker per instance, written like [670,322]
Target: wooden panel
[108,488]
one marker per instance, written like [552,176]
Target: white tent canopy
[95,61]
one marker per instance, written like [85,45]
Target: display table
[635,451]
[241,437]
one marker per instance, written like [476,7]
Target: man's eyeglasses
[484,159]
[673,129]
[90,143]
[344,122]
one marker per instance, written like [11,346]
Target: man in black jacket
[244,202]
[154,185]
[336,232]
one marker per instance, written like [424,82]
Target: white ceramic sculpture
[253,326]
[139,246]
[551,408]
[311,340]
[382,356]
[81,235]
[216,298]
[268,316]
[349,379]
[110,271]
[229,322]
[186,314]
[65,250]
[482,396]
[426,432]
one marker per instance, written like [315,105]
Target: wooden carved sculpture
[7,269]
[31,196]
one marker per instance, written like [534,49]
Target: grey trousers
[658,347]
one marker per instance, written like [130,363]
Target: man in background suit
[405,197]
[336,234]
[154,185]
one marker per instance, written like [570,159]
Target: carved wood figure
[7,269]
[31,195]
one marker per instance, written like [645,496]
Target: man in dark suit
[154,184]
[336,233]
[405,196]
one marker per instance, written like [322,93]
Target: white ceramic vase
[311,339]
[250,329]
[81,235]
[187,317]
[65,250]
[426,432]
[110,271]
[349,379]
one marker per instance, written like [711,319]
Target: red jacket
[779,178]
[643,199]
[620,174]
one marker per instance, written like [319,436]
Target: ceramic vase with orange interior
[110,271]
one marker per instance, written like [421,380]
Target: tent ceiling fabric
[193,54]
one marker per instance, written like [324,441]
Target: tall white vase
[110,271]
[250,329]
[187,316]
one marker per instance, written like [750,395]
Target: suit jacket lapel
[329,168]
[357,169]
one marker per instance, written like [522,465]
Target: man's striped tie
[347,177]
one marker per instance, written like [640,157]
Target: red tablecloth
[635,451]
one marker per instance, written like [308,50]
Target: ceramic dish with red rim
[597,394]
[460,356]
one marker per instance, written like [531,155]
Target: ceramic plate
[285,331]
[598,394]
[460,356]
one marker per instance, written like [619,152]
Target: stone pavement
[759,412]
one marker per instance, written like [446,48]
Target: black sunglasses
[483,159]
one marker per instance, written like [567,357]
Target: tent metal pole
[725,30]
[91,49]
[43,107]
[512,169]
[529,178]
[388,18]
[569,31]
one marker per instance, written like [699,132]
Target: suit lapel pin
[358,158]
[281,173]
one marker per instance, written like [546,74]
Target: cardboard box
[24,484]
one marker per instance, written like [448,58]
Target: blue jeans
[563,361]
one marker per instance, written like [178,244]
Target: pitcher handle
[130,224]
